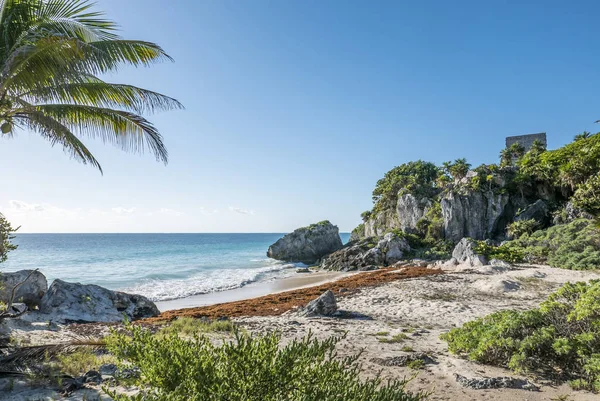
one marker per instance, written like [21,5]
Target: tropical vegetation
[247,368]
[560,339]
[53,56]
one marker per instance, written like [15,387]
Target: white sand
[426,307]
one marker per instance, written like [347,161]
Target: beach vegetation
[187,326]
[81,361]
[516,229]
[52,55]
[416,364]
[7,235]
[246,368]
[560,339]
[396,338]
[407,348]
[574,245]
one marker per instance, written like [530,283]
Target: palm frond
[126,130]
[25,356]
[104,95]
[57,133]
[56,57]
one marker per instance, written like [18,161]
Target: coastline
[253,290]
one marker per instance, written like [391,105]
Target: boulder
[29,293]
[325,305]
[74,302]
[538,211]
[464,253]
[307,244]
[393,248]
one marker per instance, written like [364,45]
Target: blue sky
[294,109]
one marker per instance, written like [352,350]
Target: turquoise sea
[159,266]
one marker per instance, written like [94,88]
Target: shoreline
[254,290]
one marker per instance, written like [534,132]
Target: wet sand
[253,290]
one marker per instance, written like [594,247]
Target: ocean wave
[209,281]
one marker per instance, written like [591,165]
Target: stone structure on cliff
[307,244]
[526,140]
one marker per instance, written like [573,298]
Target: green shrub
[187,326]
[508,252]
[414,177]
[561,338]
[587,196]
[575,245]
[517,228]
[247,368]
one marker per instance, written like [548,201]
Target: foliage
[431,225]
[511,154]
[6,236]
[365,215]
[560,338]
[187,326]
[458,169]
[518,228]
[247,368]
[81,361]
[575,245]
[396,338]
[507,252]
[414,177]
[587,196]
[426,248]
[51,54]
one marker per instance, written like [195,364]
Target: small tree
[6,237]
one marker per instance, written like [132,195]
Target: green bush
[247,368]
[518,228]
[414,177]
[560,339]
[575,245]
[587,196]
[507,252]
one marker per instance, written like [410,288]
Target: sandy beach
[253,290]
[390,315]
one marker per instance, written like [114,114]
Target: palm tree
[51,54]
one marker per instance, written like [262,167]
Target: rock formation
[30,292]
[369,252]
[477,215]
[74,302]
[465,254]
[325,305]
[307,244]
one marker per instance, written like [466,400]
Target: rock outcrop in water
[307,244]
[74,302]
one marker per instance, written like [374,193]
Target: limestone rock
[537,211]
[393,248]
[464,253]
[29,293]
[410,210]
[367,253]
[325,305]
[477,215]
[307,244]
[74,302]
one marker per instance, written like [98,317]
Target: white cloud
[170,212]
[24,206]
[240,210]
[123,210]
